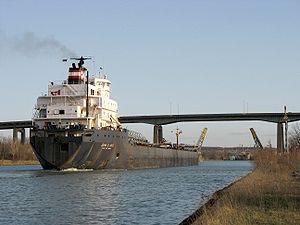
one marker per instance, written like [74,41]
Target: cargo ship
[76,125]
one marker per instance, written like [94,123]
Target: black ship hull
[102,149]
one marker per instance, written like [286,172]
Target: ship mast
[87,94]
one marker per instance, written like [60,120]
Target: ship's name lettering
[107,145]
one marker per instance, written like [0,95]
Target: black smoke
[29,44]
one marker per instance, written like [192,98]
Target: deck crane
[177,133]
[199,143]
[256,139]
[116,120]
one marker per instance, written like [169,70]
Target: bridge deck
[15,124]
[159,120]
[168,119]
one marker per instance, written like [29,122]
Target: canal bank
[269,195]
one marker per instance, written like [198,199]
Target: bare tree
[294,137]
[10,150]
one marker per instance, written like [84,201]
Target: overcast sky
[162,57]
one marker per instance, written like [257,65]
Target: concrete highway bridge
[159,120]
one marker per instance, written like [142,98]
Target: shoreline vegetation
[14,153]
[268,195]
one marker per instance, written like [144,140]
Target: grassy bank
[269,195]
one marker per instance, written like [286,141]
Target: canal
[30,195]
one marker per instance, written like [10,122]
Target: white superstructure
[74,103]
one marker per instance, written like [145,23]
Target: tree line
[14,150]
[294,138]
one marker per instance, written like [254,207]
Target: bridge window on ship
[61,111]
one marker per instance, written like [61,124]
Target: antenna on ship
[100,69]
[177,133]
[87,94]
[81,60]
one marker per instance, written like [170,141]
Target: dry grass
[15,153]
[269,195]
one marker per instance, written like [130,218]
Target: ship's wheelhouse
[80,99]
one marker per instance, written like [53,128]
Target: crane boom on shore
[200,141]
[256,139]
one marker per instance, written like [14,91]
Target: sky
[162,56]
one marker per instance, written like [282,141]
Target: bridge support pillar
[15,134]
[22,131]
[157,134]
[280,140]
